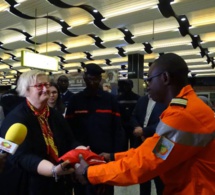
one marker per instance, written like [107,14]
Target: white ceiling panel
[79,32]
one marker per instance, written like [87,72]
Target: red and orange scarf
[47,133]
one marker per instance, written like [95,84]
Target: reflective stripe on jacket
[190,167]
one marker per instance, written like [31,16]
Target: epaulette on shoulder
[179,102]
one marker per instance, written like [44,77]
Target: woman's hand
[46,168]
[64,168]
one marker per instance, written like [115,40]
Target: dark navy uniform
[65,97]
[95,121]
[94,117]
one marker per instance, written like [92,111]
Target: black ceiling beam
[147,47]
[98,41]
[98,18]
[128,35]
[184,25]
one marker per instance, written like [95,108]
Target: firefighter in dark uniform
[94,117]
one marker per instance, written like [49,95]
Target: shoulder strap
[179,102]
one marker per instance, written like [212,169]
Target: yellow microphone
[14,137]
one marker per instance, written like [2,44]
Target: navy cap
[93,69]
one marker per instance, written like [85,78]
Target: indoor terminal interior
[123,37]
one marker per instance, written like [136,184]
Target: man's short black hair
[175,65]
[93,69]
[172,63]
[62,77]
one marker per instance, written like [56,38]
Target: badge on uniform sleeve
[163,148]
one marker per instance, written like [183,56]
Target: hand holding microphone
[13,138]
[3,158]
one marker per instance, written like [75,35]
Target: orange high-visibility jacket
[185,162]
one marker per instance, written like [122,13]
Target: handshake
[81,159]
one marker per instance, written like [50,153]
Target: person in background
[144,120]
[110,77]
[181,151]
[1,115]
[93,115]
[54,100]
[34,168]
[206,101]
[63,84]
[127,100]
[10,99]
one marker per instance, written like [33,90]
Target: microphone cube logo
[6,144]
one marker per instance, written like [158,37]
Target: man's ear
[166,78]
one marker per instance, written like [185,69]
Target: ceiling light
[24,70]
[204,71]
[201,17]
[73,70]
[9,77]
[208,74]
[103,52]
[3,6]
[58,72]
[2,67]
[171,42]
[128,8]
[111,67]
[195,60]
[100,62]
[123,71]
[5,80]
[71,65]
[208,37]
[199,66]
[79,41]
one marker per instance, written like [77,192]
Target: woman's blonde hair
[27,79]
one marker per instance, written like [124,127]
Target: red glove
[90,157]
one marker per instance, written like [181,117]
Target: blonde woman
[34,168]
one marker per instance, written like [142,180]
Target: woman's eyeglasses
[41,85]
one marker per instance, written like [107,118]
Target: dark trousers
[145,188]
[101,189]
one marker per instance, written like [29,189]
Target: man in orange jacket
[181,151]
